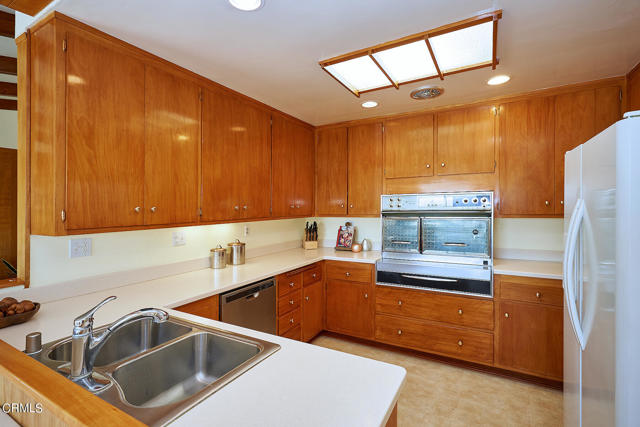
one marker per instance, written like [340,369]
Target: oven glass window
[401,235]
[456,236]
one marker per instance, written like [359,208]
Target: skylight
[461,46]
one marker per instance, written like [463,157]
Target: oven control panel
[473,201]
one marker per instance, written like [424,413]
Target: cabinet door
[527,157]
[219,156]
[105,136]
[365,169]
[331,170]
[608,107]
[530,338]
[172,148]
[312,311]
[349,308]
[574,125]
[305,171]
[252,161]
[466,141]
[408,147]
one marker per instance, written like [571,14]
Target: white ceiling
[272,54]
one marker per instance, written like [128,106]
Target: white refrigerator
[602,278]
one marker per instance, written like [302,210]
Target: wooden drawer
[531,289]
[288,283]
[458,310]
[450,341]
[289,302]
[288,321]
[206,307]
[312,275]
[293,333]
[350,271]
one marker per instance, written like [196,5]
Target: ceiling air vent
[427,92]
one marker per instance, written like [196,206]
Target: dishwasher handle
[248,292]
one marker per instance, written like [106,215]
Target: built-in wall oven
[438,241]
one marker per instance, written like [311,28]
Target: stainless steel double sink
[158,371]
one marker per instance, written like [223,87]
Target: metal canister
[218,257]
[235,252]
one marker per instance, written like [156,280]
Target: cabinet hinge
[63,215]
[200,212]
[495,111]
[64,45]
[620,94]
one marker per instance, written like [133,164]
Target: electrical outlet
[245,230]
[178,238]
[79,248]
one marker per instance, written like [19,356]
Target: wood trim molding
[24,157]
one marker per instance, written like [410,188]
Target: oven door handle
[433,279]
[462,245]
[402,242]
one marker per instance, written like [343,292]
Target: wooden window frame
[492,16]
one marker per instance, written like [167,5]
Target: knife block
[310,244]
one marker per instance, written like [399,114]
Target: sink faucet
[85,346]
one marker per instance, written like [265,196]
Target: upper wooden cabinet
[408,147]
[527,157]
[172,148]
[236,158]
[466,141]
[331,172]
[293,168]
[365,169]
[105,119]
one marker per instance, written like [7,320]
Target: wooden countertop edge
[24,380]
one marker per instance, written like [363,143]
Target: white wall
[8,129]
[129,250]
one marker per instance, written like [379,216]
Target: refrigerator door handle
[568,269]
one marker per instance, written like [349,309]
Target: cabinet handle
[442,164]
[291,320]
[292,206]
[538,295]
[460,311]
[399,331]
[428,165]
[297,206]
[291,284]
[347,274]
[546,202]
[399,302]
[153,209]
[306,298]
[245,207]
[236,208]
[562,202]
[366,296]
[290,302]
[506,315]
[460,343]
[137,209]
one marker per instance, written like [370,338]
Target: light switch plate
[79,248]
[178,238]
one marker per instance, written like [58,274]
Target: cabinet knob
[291,284]
[137,209]
[236,208]
[538,295]
[399,331]
[506,315]
[297,206]
[290,302]
[306,298]
[291,320]
[292,206]
[347,274]
[562,202]
[314,275]
[366,296]
[153,209]
[460,343]
[342,205]
[546,202]
[442,164]
[245,207]
[428,165]
[351,206]
[460,311]
[399,302]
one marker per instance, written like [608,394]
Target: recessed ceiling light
[247,5]
[498,80]
[369,104]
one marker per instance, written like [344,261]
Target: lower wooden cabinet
[350,303]
[206,307]
[312,311]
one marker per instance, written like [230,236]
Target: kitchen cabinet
[349,303]
[293,168]
[236,158]
[526,184]
[331,172]
[206,307]
[105,140]
[365,169]
[466,141]
[408,147]
[172,148]
[312,310]
[529,322]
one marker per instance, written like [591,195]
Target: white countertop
[300,384]
[518,267]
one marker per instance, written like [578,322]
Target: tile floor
[438,394]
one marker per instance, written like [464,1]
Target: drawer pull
[291,320]
[292,284]
[313,275]
[538,295]
[347,274]
[459,343]
[366,296]
[399,302]
[399,331]
[506,315]
[460,311]
[290,302]
[306,298]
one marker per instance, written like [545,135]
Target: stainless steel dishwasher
[252,306]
